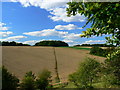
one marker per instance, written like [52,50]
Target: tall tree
[104,16]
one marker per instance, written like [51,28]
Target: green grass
[95,85]
[82,48]
[70,85]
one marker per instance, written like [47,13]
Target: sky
[32,21]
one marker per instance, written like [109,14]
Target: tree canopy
[98,45]
[13,43]
[104,16]
[105,20]
[52,43]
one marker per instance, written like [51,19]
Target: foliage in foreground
[29,82]
[86,74]
[42,82]
[44,79]
[101,16]
[9,81]
[90,73]
[112,64]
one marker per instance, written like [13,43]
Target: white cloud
[47,32]
[67,37]
[57,8]
[31,42]
[94,41]
[53,32]
[5,0]
[68,41]
[5,34]
[13,38]
[67,27]
[2,26]
[52,4]
[71,42]
[45,4]
[72,36]
[60,14]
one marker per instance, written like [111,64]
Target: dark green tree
[52,43]
[13,43]
[9,81]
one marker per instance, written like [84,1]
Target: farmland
[19,60]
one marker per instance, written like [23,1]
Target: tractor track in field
[56,66]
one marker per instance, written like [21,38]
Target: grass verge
[80,48]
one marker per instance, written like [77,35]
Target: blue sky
[31,21]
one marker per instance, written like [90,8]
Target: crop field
[19,60]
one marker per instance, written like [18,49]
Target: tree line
[52,43]
[13,43]
[41,43]
[99,45]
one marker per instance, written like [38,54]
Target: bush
[9,81]
[112,64]
[86,73]
[97,51]
[43,80]
[28,82]
[101,52]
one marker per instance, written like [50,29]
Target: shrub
[9,81]
[86,73]
[113,65]
[97,51]
[28,82]
[43,80]
[101,52]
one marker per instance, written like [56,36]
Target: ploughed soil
[21,59]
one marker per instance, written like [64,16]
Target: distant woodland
[13,43]
[51,43]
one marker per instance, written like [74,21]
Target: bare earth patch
[20,60]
